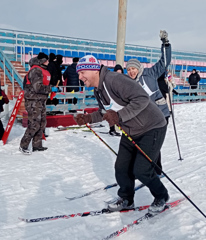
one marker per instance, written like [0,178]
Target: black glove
[164,37]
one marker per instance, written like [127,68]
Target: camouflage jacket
[36,90]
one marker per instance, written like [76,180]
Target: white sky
[94,19]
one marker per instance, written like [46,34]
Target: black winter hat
[42,55]
[75,59]
[118,67]
[59,58]
[52,56]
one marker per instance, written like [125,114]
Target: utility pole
[121,32]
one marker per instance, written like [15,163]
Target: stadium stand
[20,46]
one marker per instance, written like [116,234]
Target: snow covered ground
[77,162]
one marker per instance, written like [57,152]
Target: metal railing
[10,72]
[186,94]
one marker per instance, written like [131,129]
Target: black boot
[39,149]
[114,133]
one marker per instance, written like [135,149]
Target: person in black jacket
[72,78]
[194,78]
[54,67]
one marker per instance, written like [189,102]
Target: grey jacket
[138,114]
[149,78]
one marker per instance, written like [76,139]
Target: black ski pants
[131,164]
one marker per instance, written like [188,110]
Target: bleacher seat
[68,54]
[107,56]
[18,49]
[81,54]
[145,60]
[111,63]
[101,56]
[36,50]
[67,61]
[60,52]
[53,51]
[113,57]
[75,54]
[28,49]
[45,50]
[95,55]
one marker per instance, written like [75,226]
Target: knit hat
[133,63]
[118,67]
[88,62]
[42,55]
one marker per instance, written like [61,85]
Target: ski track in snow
[77,162]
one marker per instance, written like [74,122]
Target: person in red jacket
[36,91]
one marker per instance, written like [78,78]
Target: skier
[122,101]
[147,78]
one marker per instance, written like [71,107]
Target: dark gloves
[111,117]
[82,119]
[164,37]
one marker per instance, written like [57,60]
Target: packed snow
[77,162]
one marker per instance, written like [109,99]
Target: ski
[84,214]
[105,188]
[89,193]
[147,216]
[76,127]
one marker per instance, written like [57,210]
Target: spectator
[194,78]
[147,78]
[71,77]
[122,101]
[3,100]
[54,68]
[36,91]
[118,68]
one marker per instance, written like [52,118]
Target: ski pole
[100,139]
[175,131]
[152,162]
[170,102]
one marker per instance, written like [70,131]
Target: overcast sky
[185,20]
